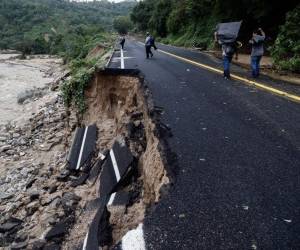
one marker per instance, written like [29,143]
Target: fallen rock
[5,148]
[2,139]
[80,181]
[63,175]
[52,188]
[30,182]
[59,230]
[24,96]
[16,246]
[52,247]
[37,244]
[32,207]
[10,224]
[34,195]
[5,196]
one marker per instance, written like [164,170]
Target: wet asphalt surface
[237,183]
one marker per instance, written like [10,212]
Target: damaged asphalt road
[237,180]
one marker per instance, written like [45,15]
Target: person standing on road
[257,52]
[149,43]
[122,41]
[228,51]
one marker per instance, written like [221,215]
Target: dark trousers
[226,63]
[122,44]
[255,65]
[148,51]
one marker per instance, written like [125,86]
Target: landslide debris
[44,205]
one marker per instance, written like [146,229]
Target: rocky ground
[39,206]
[32,172]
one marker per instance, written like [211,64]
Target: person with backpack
[149,43]
[257,42]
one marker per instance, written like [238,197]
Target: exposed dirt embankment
[40,207]
[119,106]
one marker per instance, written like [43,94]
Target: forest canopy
[57,26]
[192,23]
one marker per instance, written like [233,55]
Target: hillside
[53,26]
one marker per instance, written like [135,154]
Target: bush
[286,50]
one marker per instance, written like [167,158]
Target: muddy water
[17,76]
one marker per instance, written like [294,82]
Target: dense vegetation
[57,26]
[286,50]
[122,24]
[65,28]
[192,22]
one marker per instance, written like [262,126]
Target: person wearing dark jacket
[149,43]
[257,51]
[122,42]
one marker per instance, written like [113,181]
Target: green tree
[158,21]
[142,13]
[122,24]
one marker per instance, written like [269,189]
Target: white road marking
[85,241]
[119,58]
[111,199]
[115,165]
[134,239]
[81,149]
[122,59]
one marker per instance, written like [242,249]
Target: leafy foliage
[122,24]
[192,22]
[56,26]
[82,72]
[286,50]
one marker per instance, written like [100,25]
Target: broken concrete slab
[75,148]
[119,199]
[114,168]
[83,146]
[123,157]
[95,235]
[90,144]
[108,179]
